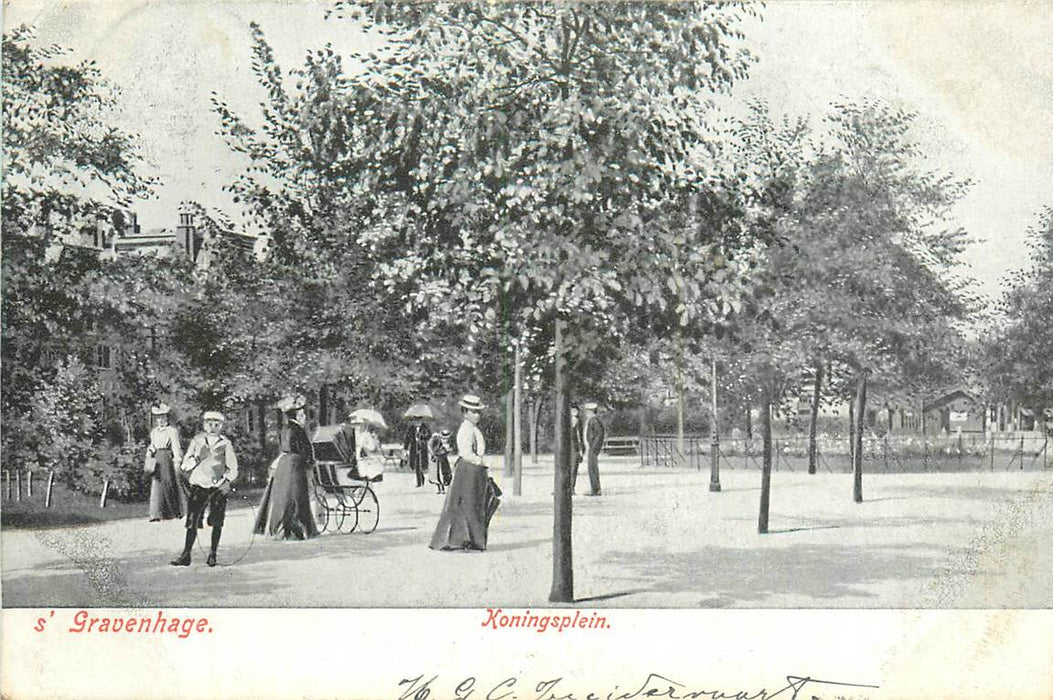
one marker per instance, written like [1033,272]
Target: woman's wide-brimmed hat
[471,402]
[213,415]
[293,402]
[161,409]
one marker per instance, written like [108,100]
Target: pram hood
[334,443]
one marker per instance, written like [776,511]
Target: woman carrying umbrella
[472,497]
[415,443]
[285,511]
[366,422]
[167,497]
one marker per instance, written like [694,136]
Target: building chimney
[187,238]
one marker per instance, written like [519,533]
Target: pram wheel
[367,508]
[346,519]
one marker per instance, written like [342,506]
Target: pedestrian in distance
[473,497]
[285,510]
[440,447]
[212,467]
[577,441]
[415,447]
[593,433]
[163,454]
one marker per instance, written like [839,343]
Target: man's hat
[445,432]
[590,406]
[160,409]
[213,415]
[471,402]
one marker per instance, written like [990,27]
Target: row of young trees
[547,176]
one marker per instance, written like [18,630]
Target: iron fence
[889,453]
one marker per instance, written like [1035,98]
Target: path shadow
[803,529]
[753,576]
[517,545]
[610,596]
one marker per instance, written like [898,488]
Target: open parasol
[369,416]
[418,410]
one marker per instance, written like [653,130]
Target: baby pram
[346,500]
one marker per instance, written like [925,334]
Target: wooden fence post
[29,483]
[7,478]
[51,484]
[105,493]
[18,485]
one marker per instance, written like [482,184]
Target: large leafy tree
[541,159]
[1017,350]
[332,315]
[859,280]
[69,172]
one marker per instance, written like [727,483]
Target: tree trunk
[813,448]
[261,426]
[562,562]
[323,405]
[765,494]
[749,422]
[509,431]
[517,427]
[532,416]
[857,453]
[852,432]
[714,430]
[680,401]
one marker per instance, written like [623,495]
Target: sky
[979,74]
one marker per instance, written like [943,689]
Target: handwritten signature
[654,686]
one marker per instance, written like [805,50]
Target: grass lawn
[69,507]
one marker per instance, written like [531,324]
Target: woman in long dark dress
[285,511]
[167,493]
[472,497]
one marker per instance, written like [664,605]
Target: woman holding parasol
[366,422]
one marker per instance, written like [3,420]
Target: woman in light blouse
[472,497]
[167,494]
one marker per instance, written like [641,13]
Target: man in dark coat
[415,448]
[594,434]
[577,444]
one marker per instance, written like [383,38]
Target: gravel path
[656,538]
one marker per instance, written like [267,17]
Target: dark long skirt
[285,511]
[470,503]
[167,494]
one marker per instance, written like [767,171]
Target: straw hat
[213,415]
[161,409]
[591,406]
[471,402]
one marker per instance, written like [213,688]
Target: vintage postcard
[411,350]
